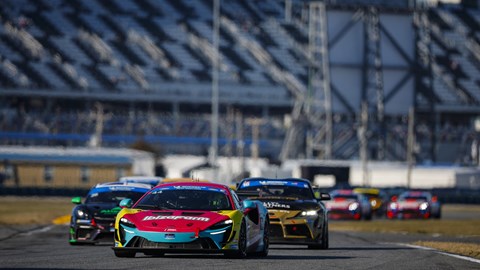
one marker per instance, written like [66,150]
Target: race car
[377,198]
[414,204]
[92,221]
[151,180]
[346,204]
[192,217]
[296,215]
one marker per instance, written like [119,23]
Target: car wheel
[242,244]
[266,242]
[325,237]
[322,239]
[124,253]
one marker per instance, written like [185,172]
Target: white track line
[440,252]
[39,230]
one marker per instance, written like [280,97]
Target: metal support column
[424,80]
[318,107]
[373,92]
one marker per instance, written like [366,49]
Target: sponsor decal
[275,205]
[169,236]
[112,211]
[205,219]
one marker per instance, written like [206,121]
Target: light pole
[215,91]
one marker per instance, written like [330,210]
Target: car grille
[84,233]
[297,230]
[201,243]
[276,230]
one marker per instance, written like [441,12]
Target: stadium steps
[54,79]
[93,57]
[12,45]
[467,19]
[5,80]
[77,6]
[152,10]
[75,53]
[61,73]
[118,30]
[154,29]
[180,7]
[295,33]
[33,75]
[204,12]
[434,17]
[77,20]
[128,53]
[48,27]
[49,45]
[253,13]
[236,59]
[100,77]
[112,7]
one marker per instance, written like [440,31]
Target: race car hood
[283,204]
[174,220]
[103,209]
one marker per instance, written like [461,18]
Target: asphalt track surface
[47,248]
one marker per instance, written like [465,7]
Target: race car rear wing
[248,194]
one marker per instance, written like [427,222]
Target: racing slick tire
[321,239]
[266,242]
[124,253]
[242,244]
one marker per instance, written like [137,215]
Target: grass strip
[33,210]
[431,226]
[465,249]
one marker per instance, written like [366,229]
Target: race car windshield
[296,192]
[113,196]
[345,196]
[206,200]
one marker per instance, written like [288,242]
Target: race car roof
[275,179]
[200,184]
[110,186]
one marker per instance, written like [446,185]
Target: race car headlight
[423,206]
[353,206]
[127,223]
[393,206]
[81,214]
[221,224]
[309,213]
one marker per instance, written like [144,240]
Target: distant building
[70,167]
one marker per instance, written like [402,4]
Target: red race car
[414,204]
[346,204]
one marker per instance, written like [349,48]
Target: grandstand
[143,68]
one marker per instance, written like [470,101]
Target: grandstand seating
[151,47]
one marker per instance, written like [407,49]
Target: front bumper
[408,214]
[205,241]
[88,232]
[293,231]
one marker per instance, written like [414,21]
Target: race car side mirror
[248,206]
[77,200]
[126,203]
[323,196]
